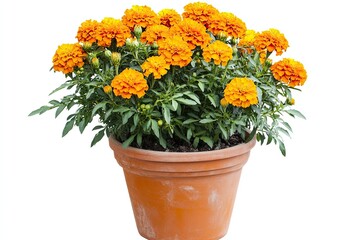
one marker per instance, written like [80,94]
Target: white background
[60,188]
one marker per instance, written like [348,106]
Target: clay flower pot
[182,196]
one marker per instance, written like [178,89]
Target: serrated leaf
[40,110]
[68,126]
[64,85]
[166,113]
[186,101]
[98,136]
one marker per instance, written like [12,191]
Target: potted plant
[182,99]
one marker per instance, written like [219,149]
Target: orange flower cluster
[87,31]
[227,23]
[169,17]
[200,12]
[129,82]
[155,33]
[220,52]
[175,51]
[241,92]
[271,40]
[142,16]
[111,28]
[290,72]
[155,65]
[67,57]
[192,32]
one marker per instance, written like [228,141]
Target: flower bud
[116,58]
[223,102]
[137,31]
[291,101]
[95,62]
[87,46]
[107,89]
[107,53]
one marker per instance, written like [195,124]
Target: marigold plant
[196,78]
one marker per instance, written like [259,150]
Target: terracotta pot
[182,196]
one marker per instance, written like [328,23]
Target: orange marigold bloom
[290,72]
[155,33]
[67,57]
[169,17]
[129,82]
[271,40]
[200,12]
[219,51]
[111,28]
[87,31]
[175,51]
[192,32]
[241,92]
[227,23]
[248,39]
[155,65]
[107,89]
[142,16]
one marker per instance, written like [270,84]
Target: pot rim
[157,156]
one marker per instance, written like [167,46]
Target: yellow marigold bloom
[155,65]
[241,92]
[248,39]
[111,28]
[129,82]
[290,72]
[155,33]
[219,51]
[175,51]
[169,17]
[271,40]
[107,89]
[192,32]
[227,23]
[200,12]
[87,31]
[67,57]
[142,16]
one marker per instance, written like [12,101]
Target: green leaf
[208,141]
[287,126]
[293,113]
[126,117]
[282,148]
[201,86]
[90,92]
[193,97]
[68,126]
[207,120]
[54,102]
[190,120]
[128,141]
[212,100]
[186,101]
[284,131]
[189,133]
[174,104]
[98,136]
[139,139]
[166,113]
[155,127]
[108,113]
[97,107]
[40,110]
[59,110]
[64,85]
[224,132]
[82,125]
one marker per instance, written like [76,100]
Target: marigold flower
[241,92]
[67,57]
[155,65]
[200,12]
[155,33]
[223,102]
[129,82]
[142,16]
[192,32]
[175,51]
[248,39]
[169,17]
[227,23]
[271,40]
[87,31]
[95,62]
[111,28]
[107,89]
[290,72]
[219,51]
